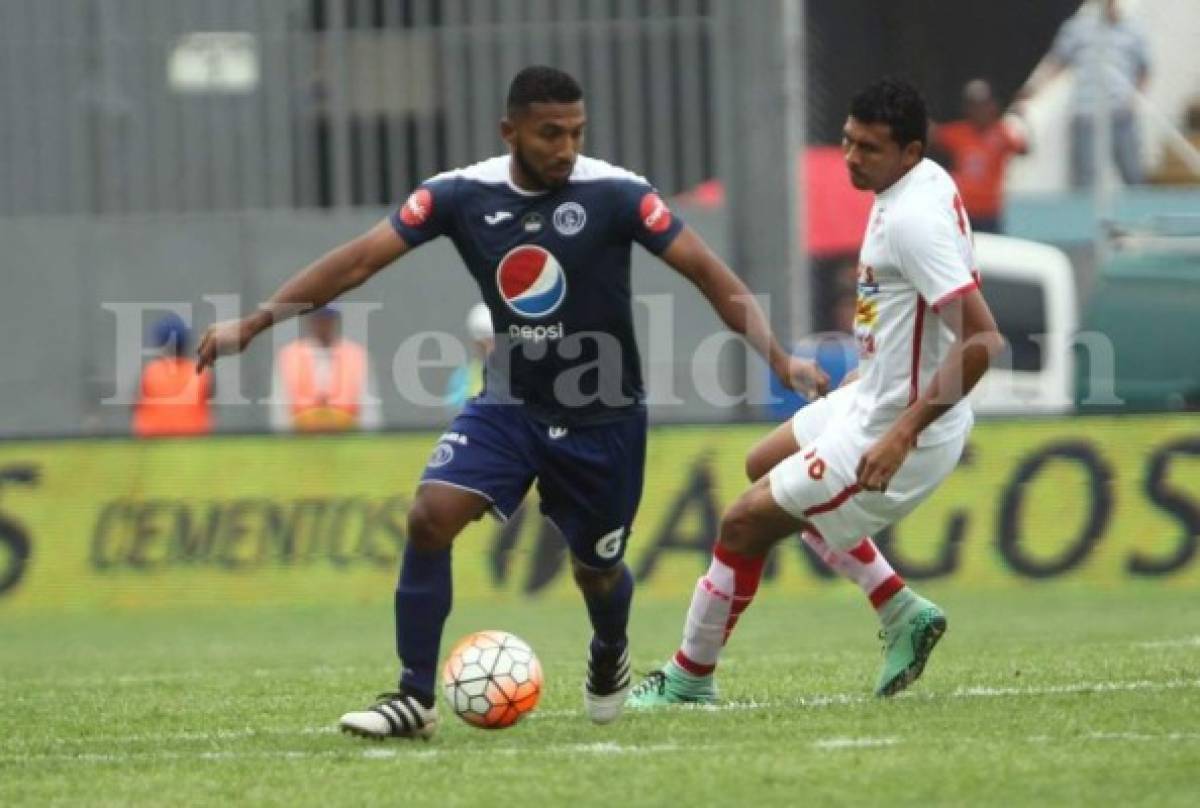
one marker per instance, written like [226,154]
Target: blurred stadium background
[186,156]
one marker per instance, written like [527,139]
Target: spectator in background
[172,398]
[980,146]
[323,381]
[467,380]
[1109,57]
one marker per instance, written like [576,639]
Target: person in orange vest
[173,399]
[980,146]
[323,381]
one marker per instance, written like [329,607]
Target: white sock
[863,564]
[721,595]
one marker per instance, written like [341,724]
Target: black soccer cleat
[606,686]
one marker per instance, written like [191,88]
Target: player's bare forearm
[338,271]
[979,342]
[964,365]
[343,268]
[729,296]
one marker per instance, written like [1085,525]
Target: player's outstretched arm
[978,342]
[338,271]
[691,257]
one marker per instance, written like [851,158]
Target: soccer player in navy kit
[547,235]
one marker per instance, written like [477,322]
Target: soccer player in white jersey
[862,458]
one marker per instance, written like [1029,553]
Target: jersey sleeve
[427,213]
[934,253]
[654,225]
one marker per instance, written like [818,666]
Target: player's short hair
[540,84]
[896,103]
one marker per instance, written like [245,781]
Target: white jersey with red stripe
[916,256]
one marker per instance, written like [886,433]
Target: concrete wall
[69,282]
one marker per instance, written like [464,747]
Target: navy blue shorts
[589,478]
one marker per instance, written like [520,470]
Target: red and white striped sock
[721,595]
[863,564]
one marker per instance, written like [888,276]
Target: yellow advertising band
[119,523]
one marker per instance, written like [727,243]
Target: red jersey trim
[914,388]
[836,502]
[959,292]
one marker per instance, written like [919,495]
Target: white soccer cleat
[394,715]
[606,687]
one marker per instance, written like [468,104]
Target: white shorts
[818,483]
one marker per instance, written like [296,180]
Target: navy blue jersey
[553,269]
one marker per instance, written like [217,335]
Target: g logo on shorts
[608,546]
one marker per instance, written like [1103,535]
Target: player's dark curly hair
[544,85]
[896,103]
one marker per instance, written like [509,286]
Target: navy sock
[422,603]
[609,613]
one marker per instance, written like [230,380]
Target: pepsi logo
[655,214]
[418,208]
[531,281]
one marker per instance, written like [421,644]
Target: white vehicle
[1030,288]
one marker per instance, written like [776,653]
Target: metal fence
[131,106]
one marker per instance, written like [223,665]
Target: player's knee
[739,533]
[429,527]
[593,580]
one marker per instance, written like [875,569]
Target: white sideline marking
[160,737]
[596,748]
[1068,689]
[13,748]
[852,743]
[164,677]
[376,753]
[1182,642]
[1141,736]
[969,692]
[380,753]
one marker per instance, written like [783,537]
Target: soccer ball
[492,679]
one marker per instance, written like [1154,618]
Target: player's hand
[881,462]
[223,339]
[806,378]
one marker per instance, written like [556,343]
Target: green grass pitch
[1052,695]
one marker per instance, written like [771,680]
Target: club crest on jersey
[655,215]
[569,218]
[417,208]
[443,453]
[531,281]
